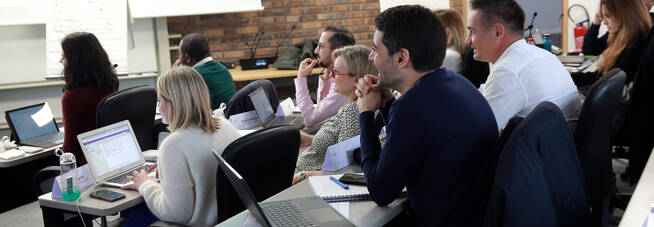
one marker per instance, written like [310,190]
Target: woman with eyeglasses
[350,64]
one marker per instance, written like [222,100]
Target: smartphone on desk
[353,178]
[107,195]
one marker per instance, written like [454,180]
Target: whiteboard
[431,4]
[106,19]
[22,12]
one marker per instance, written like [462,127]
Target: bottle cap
[530,39]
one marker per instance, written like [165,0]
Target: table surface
[270,73]
[28,157]
[94,206]
[362,213]
[638,207]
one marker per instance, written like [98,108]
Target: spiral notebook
[331,192]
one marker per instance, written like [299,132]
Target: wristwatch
[302,176]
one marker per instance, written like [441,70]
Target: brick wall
[227,33]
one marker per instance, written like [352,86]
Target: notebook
[34,126]
[331,192]
[267,115]
[113,153]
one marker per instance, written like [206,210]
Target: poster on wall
[431,4]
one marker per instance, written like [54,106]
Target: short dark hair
[417,29]
[341,37]
[508,12]
[195,45]
[87,63]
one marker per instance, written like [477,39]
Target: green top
[219,81]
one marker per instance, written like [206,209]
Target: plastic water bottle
[530,41]
[68,183]
[547,43]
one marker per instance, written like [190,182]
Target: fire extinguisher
[580,32]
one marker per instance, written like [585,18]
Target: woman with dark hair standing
[89,77]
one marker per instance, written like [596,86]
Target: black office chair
[593,141]
[137,105]
[538,180]
[473,70]
[265,159]
[240,102]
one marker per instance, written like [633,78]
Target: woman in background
[350,64]
[186,191]
[89,77]
[456,36]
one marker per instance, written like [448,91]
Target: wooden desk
[270,73]
[638,207]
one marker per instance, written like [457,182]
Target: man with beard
[329,102]
[439,132]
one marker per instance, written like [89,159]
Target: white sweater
[186,193]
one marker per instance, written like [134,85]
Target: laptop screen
[261,105]
[112,149]
[32,121]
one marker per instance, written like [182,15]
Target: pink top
[329,101]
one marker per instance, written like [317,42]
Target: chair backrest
[137,105]
[538,180]
[593,133]
[240,102]
[473,70]
[265,159]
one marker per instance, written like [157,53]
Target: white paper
[11,154]
[343,208]
[85,180]
[481,88]
[285,107]
[339,155]
[29,149]
[106,19]
[43,116]
[246,120]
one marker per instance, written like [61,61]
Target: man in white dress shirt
[522,75]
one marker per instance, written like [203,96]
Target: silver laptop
[267,114]
[34,126]
[112,153]
[308,211]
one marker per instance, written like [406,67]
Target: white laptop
[112,153]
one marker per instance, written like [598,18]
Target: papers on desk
[85,180]
[285,107]
[11,154]
[246,120]
[339,155]
[29,149]
[329,191]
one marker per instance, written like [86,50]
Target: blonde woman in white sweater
[186,191]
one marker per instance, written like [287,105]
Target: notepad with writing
[331,192]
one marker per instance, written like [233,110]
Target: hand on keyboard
[138,178]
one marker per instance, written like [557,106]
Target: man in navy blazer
[439,132]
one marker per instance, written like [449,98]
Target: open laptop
[267,114]
[308,211]
[34,126]
[112,153]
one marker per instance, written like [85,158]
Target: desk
[29,157]
[270,73]
[638,207]
[53,208]
[362,213]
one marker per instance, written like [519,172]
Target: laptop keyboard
[47,140]
[122,178]
[285,121]
[285,213]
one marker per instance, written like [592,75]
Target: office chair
[265,159]
[593,141]
[137,105]
[240,102]
[538,180]
[475,71]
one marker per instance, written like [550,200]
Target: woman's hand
[138,178]
[305,139]
[298,177]
[599,17]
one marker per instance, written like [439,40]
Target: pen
[344,186]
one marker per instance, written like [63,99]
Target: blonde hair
[453,21]
[187,99]
[356,60]
[635,24]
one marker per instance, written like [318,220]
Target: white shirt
[524,76]
[204,60]
[186,193]
[452,59]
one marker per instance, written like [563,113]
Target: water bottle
[547,43]
[68,181]
[530,41]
